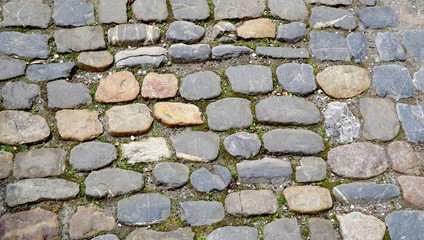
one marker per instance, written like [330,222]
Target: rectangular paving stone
[79,39]
[25,45]
[329,46]
[113,11]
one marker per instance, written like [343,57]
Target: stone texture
[356,225]
[331,2]
[297,78]
[311,169]
[291,10]
[127,120]
[409,15]
[145,57]
[92,155]
[47,72]
[170,175]
[37,163]
[192,10]
[284,141]
[18,127]
[224,173]
[418,80]
[182,53]
[340,124]
[26,13]
[95,61]
[365,192]
[220,29]
[282,52]
[283,227]
[292,32]
[146,150]
[323,17]
[112,182]
[414,44]
[200,85]
[404,159]
[234,233]
[236,9]
[33,190]
[184,32]
[412,190]
[412,119]
[6,164]
[358,160]
[78,125]
[179,234]
[12,43]
[242,145]
[257,28]
[357,43]
[63,94]
[201,213]
[250,79]
[88,221]
[159,86]
[229,113]
[389,47]
[329,46]
[150,10]
[133,35]
[113,11]
[228,51]
[75,13]
[205,181]
[344,81]
[173,114]
[251,202]
[378,17]
[106,237]
[406,224]
[196,146]
[308,199]
[79,39]
[144,209]
[11,68]
[392,81]
[117,87]
[19,95]
[266,170]
[368,2]
[321,229]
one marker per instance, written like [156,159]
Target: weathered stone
[368,2]
[196,146]
[292,32]
[35,189]
[392,81]
[358,160]
[6,164]
[78,125]
[321,229]
[331,2]
[219,30]
[266,170]
[344,81]
[236,9]
[182,53]
[224,173]
[43,162]
[10,68]
[133,35]
[242,145]
[297,78]
[419,80]
[63,94]
[79,39]
[106,237]
[159,86]
[19,95]
[179,234]
[227,51]
[308,199]
[95,61]
[117,87]
[406,224]
[378,17]
[229,113]
[230,38]
[185,32]
[145,57]
[73,13]
[404,159]
[329,46]
[112,182]
[293,141]
[173,114]
[18,127]
[291,10]
[13,43]
[282,52]
[340,124]
[47,72]
[251,202]
[92,155]
[409,15]
[365,192]
[414,44]
[150,10]
[286,227]
[205,181]
[170,175]
[146,150]
[26,13]
[32,224]
[200,213]
[144,209]
[323,17]
[192,10]
[412,119]
[127,120]
[88,221]
[389,47]
[250,79]
[311,169]
[357,43]
[257,28]
[200,85]
[113,11]
[412,190]
[234,233]
[356,225]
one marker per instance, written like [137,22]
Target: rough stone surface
[26,13]
[323,17]
[19,95]
[286,227]
[292,32]
[146,150]
[192,10]
[47,72]
[205,181]
[106,237]
[200,85]
[95,61]
[321,229]
[159,86]
[378,17]
[227,51]
[392,81]
[201,213]
[10,68]
[117,87]
[6,164]
[293,141]
[330,2]
[173,114]
[340,124]
[224,173]
[412,190]
[42,162]
[145,57]
[266,170]
[311,169]
[236,9]
[242,145]
[181,53]
[419,80]
[404,159]
[62,94]
[356,225]
[127,120]
[358,160]
[414,44]
[179,234]
[229,113]
[412,119]
[297,78]
[196,146]
[88,221]
[113,182]
[220,29]
[133,35]
[357,43]
[389,47]
[368,2]
[308,199]
[13,43]
[92,155]
[329,46]
[150,10]
[78,125]
[113,11]
[282,52]
[79,39]
[234,233]
[288,9]
[406,224]
[170,175]
[251,202]
[184,32]
[365,192]
[257,28]
[250,79]
[73,13]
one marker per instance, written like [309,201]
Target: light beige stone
[95,61]
[308,199]
[257,28]
[146,150]
[117,87]
[88,221]
[133,119]
[251,202]
[177,114]
[356,225]
[412,189]
[79,125]
[6,164]
[159,86]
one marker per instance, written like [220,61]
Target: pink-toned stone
[88,221]
[177,114]
[129,120]
[6,164]
[412,189]
[405,159]
[257,28]
[410,18]
[94,61]
[308,199]
[159,86]
[79,125]
[117,87]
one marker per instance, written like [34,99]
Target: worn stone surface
[201,213]
[13,43]
[412,191]
[392,81]
[79,39]
[356,225]
[173,114]
[6,164]
[284,141]
[73,13]
[113,11]
[308,199]
[127,120]
[406,224]
[292,32]
[18,127]
[200,85]
[323,17]
[150,10]
[94,61]
[182,53]
[368,2]
[26,13]
[389,47]
[19,95]
[331,2]
[184,32]
[329,46]
[42,162]
[288,9]
[205,181]
[235,9]
[358,160]
[311,169]
[286,227]
[357,43]
[106,237]
[365,192]
[63,94]
[418,80]
[234,233]
[282,52]
[229,113]
[257,28]
[143,233]
[250,79]
[297,78]
[414,44]
[145,57]
[146,150]
[406,14]
[242,145]
[266,170]
[133,35]
[321,229]
[92,155]
[196,146]
[378,17]
[404,159]
[170,175]
[159,86]
[117,87]
[224,173]
[78,125]
[340,124]
[47,72]
[10,68]
[412,119]
[220,29]
[192,10]
[227,51]
[88,221]
[251,202]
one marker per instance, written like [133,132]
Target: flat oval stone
[404,159]
[234,9]
[11,43]
[392,81]
[92,155]
[200,85]
[250,79]
[143,233]
[89,221]
[297,78]
[308,199]
[170,175]
[146,150]
[201,213]
[94,61]
[43,162]
[293,141]
[47,72]
[63,94]
[126,120]
[251,202]
[133,35]
[205,181]
[358,160]
[266,170]
[106,236]
[365,192]
[412,190]
[356,225]
[6,164]
[159,86]
[117,87]
[78,125]
[196,146]
[234,233]
[182,53]
[19,95]
[406,224]
[173,114]
[257,28]
[10,67]
[184,32]
[242,145]
[26,14]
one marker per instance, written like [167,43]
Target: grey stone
[242,145]
[220,29]
[47,72]
[25,45]
[236,9]
[92,155]
[192,10]
[250,79]
[224,173]
[418,80]
[145,57]
[311,169]
[286,228]
[357,43]
[35,189]
[170,175]
[73,13]
[340,124]
[378,17]
[144,233]
[406,225]
[201,213]
[229,113]
[38,163]
[331,2]
[323,17]
[297,78]
[205,181]
[6,164]
[112,182]
[184,32]
[392,81]
[251,202]
[79,39]
[282,52]
[228,51]
[365,192]
[266,170]
[293,141]
[19,95]
[133,35]
[196,146]
[113,11]
[26,13]
[230,38]
[181,53]
[234,233]
[62,94]
[389,47]
[322,229]
[412,119]
[144,209]
[10,68]
[200,85]
[329,46]
[414,44]
[288,9]
[150,10]
[292,32]
[106,237]
[368,2]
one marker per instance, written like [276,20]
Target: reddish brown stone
[177,114]
[118,87]
[159,86]
[412,188]
[79,125]
[88,221]
[94,61]
[258,28]
[404,158]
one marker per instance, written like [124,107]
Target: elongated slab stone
[323,17]
[293,141]
[26,13]
[143,233]
[308,199]
[267,170]
[250,79]
[173,114]
[133,35]
[229,113]
[236,9]
[97,61]
[329,46]
[79,39]
[356,225]
[10,68]
[365,192]
[92,155]
[406,224]
[15,43]
[251,202]
[228,51]
[79,125]
[282,52]
[127,120]
[196,146]
[73,13]
[297,78]
[146,150]
[357,43]
[182,53]
[39,163]
[392,81]
[201,213]
[47,72]
[145,57]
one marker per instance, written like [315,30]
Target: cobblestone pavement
[219,119]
